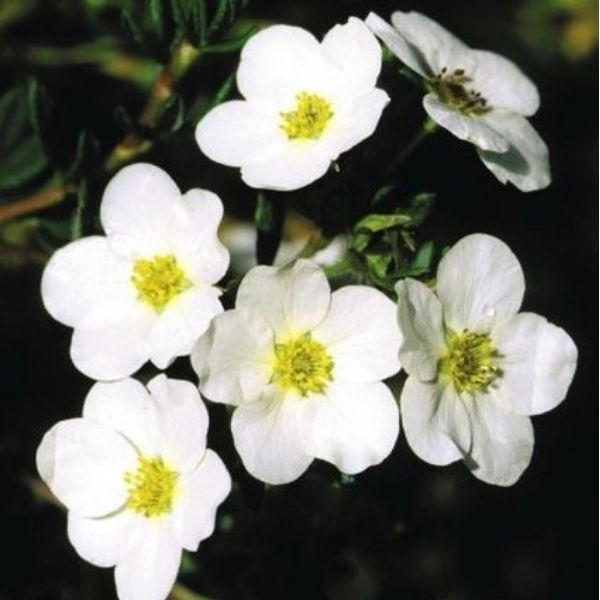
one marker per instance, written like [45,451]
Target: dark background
[404,529]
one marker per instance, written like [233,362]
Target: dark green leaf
[39,107]
[233,44]
[374,223]
[172,115]
[78,213]
[268,218]
[86,155]
[20,166]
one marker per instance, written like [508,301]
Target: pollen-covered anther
[452,88]
[470,361]
[158,280]
[309,119]
[302,364]
[151,487]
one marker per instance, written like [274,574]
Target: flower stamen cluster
[451,88]
[309,119]
[302,364]
[470,361]
[158,280]
[151,487]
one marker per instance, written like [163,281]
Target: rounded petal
[435,421]
[358,119]
[126,407]
[479,282]
[113,352]
[422,329]
[353,425]
[470,129]
[181,323]
[503,84]
[267,437]
[438,47]
[399,45]
[526,164]
[84,464]
[102,540]
[141,210]
[235,133]
[361,334]
[297,164]
[149,570]
[86,284]
[181,421]
[502,443]
[279,62]
[199,494]
[293,298]
[538,364]
[234,358]
[210,258]
[354,49]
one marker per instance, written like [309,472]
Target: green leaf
[233,44]
[171,116]
[156,16]
[268,218]
[86,155]
[25,162]
[133,24]
[78,213]
[374,223]
[39,106]
[419,208]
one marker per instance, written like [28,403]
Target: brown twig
[42,199]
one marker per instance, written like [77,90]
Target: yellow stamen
[302,364]
[158,280]
[310,118]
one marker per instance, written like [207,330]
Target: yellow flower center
[302,364]
[452,88]
[151,487]
[470,361]
[158,280]
[309,119]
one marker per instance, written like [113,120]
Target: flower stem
[38,201]
[429,127]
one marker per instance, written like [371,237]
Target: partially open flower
[479,96]
[304,368]
[477,368]
[137,480]
[305,103]
[145,291]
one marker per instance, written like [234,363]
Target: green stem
[429,127]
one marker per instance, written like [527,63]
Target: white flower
[479,96]
[477,368]
[304,368]
[145,291]
[305,103]
[137,480]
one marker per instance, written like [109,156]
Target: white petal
[86,284]
[116,351]
[502,443]
[435,421]
[361,334]
[503,84]
[234,358]
[470,129]
[399,45]
[526,164]
[141,211]
[84,464]
[293,298]
[353,425]
[355,50]
[279,62]
[102,540]
[479,282]
[198,497]
[267,437]
[182,322]
[182,422]
[149,570]
[358,119]
[235,133]
[126,407]
[205,211]
[421,324]
[297,164]
[538,364]
[438,47]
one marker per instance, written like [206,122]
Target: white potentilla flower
[137,479]
[479,96]
[304,104]
[304,367]
[146,290]
[477,368]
